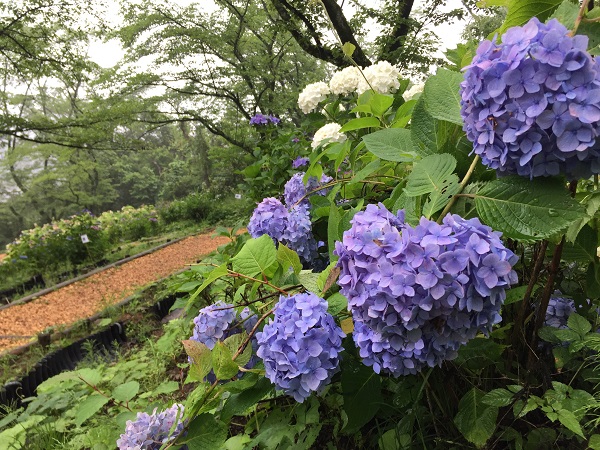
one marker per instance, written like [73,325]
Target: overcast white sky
[110,53]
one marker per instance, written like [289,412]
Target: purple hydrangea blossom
[151,431]
[418,293]
[300,162]
[531,105]
[300,347]
[559,310]
[298,234]
[269,217]
[295,191]
[260,119]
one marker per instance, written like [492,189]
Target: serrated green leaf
[337,303]
[238,403]
[90,376]
[526,210]
[579,324]
[498,397]
[361,123]
[205,432]
[223,365]
[288,258]
[308,279]
[391,144]
[440,198]
[591,203]
[255,257]
[516,294]
[475,420]
[594,443]
[568,419]
[88,407]
[361,388]
[431,174]
[584,248]
[233,343]
[442,99]
[380,103]
[214,275]
[333,228]
[201,358]
[519,12]
[126,391]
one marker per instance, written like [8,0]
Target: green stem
[463,183]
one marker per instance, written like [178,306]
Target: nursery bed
[79,300]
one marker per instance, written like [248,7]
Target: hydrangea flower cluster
[269,217]
[260,119]
[418,293]
[218,321]
[531,104]
[345,81]
[295,189]
[381,76]
[298,234]
[151,431]
[329,132]
[300,347]
[411,92]
[312,95]
[300,161]
[559,310]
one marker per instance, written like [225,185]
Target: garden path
[83,298]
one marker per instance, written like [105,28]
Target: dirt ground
[84,298]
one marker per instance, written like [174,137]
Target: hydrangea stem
[463,183]
[582,11]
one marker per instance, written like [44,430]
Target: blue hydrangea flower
[301,346]
[260,119]
[418,293]
[295,191]
[531,105]
[151,431]
[298,234]
[217,322]
[269,217]
[300,162]
[559,310]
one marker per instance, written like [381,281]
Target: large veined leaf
[391,144]
[424,130]
[255,257]
[476,420]
[205,432]
[520,11]
[440,198]
[362,393]
[528,210]
[431,174]
[442,99]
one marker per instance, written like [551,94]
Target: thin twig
[463,183]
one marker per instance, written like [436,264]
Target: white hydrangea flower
[345,81]
[382,76]
[412,91]
[328,133]
[312,94]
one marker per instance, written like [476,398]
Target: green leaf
[205,433]
[442,100]
[361,388]
[223,365]
[333,228]
[526,210]
[475,420]
[308,279]
[348,49]
[431,174]
[215,274]
[515,295]
[519,12]
[594,443]
[440,198]
[239,403]
[255,257]
[88,407]
[288,258]
[584,248]
[363,173]
[380,103]
[579,324]
[591,204]
[233,343]
[391,144]
[125,392]
[568,419]
[337,303]
[361,123]
[498,397]
[201,358]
